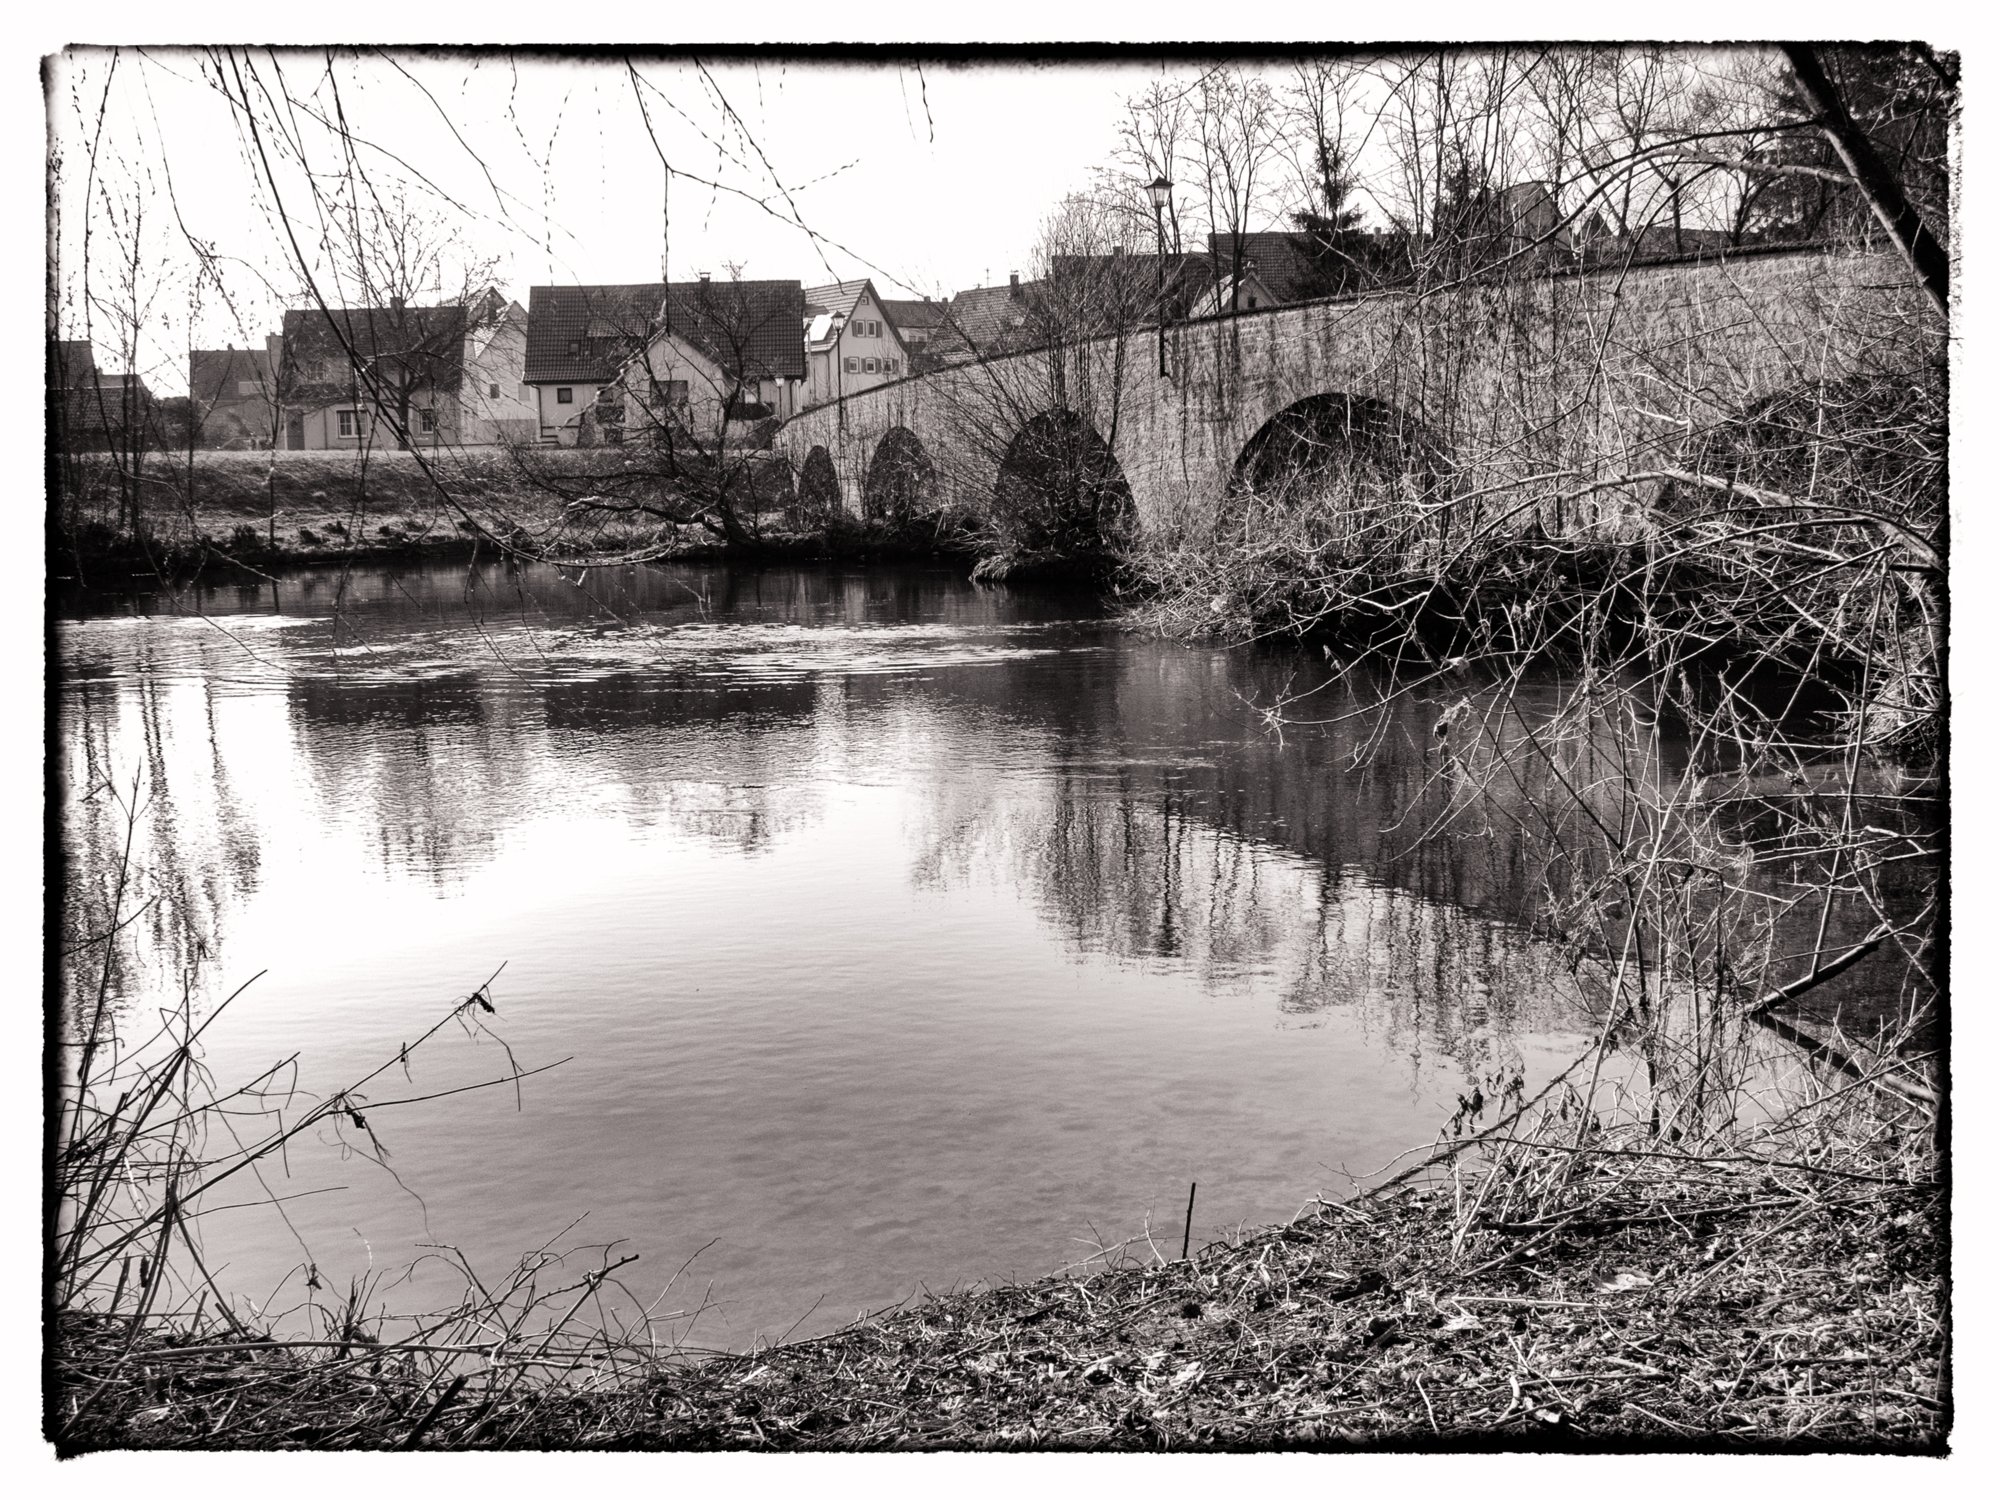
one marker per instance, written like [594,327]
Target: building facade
[605,361]
[851,343]
[233,394]
[445,375]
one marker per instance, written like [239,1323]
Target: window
[868,366]
[248,388]
[853,365]
[671,392]
[889,366]
[427,420]
[564,395]
[493,389]
[350,422]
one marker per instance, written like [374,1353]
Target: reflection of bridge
[1580,373]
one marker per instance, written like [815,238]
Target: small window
[853,365]
[1253,301]
[427,420]
[493,390]
[350,423]
[564,395]
[671,392]
[868,366]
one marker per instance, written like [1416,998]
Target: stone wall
[1578,376]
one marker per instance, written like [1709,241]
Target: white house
[685,345]
[456,366]
[850,343]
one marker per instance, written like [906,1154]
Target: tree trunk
[1926,257]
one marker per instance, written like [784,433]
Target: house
[1530,219]
[1281,259]
[593,350]
[986,320]
[1247,292]
[916,324]
[373,376]
[94,409]
[233,394]
[851,343]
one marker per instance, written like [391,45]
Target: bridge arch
[1061,488]
[819,488]
[901,481]
[1326,434]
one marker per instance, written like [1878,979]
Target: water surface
[897,932]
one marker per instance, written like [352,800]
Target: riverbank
[245,513]
[1558,1286]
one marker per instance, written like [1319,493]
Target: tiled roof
[213,373]
[990,317]
[907,314]
[836,297]
[585,333]
[1282,262]
[426,344]
[759,323]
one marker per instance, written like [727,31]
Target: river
[891,932]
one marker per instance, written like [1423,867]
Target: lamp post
[1160,189]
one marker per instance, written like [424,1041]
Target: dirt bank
[1614,1294]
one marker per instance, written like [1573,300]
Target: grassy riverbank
[241,514]
[1552,1284]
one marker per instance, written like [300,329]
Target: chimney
[1117,249]
[1014,285]
[396,302]
[701,275]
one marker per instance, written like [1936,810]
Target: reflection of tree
[1169,826]
[1147,812]
[152,830]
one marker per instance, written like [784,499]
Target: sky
[928,179]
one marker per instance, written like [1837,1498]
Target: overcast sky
[928,179]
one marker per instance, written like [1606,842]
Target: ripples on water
[898,932]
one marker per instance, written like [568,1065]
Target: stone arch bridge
[1590,377]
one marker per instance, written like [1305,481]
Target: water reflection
[852,894]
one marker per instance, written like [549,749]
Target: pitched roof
[424,344]
[906,314]
[586,333]
[836,297]
[758,323]
[213,374]
[990,317]
[1282,262]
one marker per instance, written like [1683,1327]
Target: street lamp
[1160,190]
